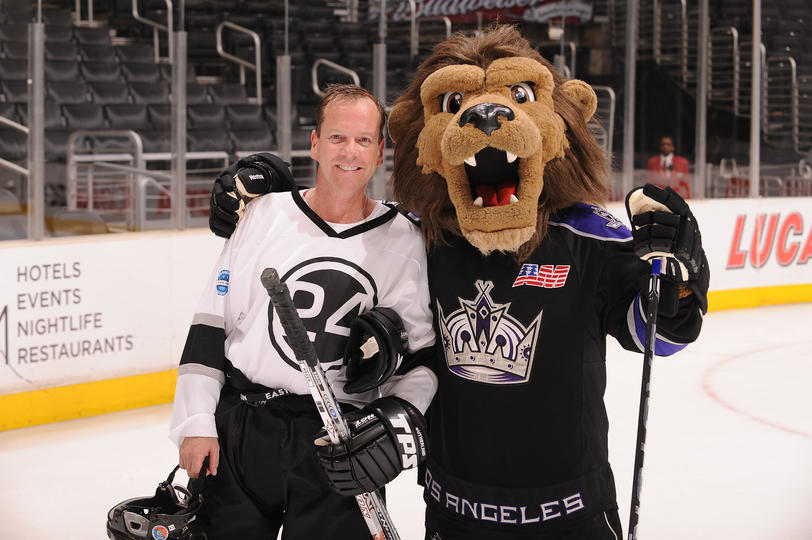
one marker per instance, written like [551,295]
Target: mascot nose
[485,116]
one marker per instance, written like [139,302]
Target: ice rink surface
[728,452]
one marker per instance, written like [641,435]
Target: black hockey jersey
[521,367]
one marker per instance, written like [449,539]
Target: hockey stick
[642,417]
[372,508]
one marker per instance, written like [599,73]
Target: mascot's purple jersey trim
[593,221]
[662,346]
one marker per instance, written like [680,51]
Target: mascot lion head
[491,140]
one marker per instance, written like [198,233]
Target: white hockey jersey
[334,272]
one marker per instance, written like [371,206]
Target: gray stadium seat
[61,70]
[14,91]
[99,35]
[207,140]
[61,92]
[13,145]
[197,94]
[15,70]
[160,116]
[148,93]
[14,32]
[83,116]
[56,144]
[100,71]
[127,116]
[136,52]
[10,112]
[255,140]
[245,117]
[59,50]
[227,93]
[52,115]
[57,17]
[16,49]
[13,219]
[156,140]
[108,92]
[58,32]
[206,116]
[91,52]
[141,72]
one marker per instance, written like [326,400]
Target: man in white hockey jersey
[241,400]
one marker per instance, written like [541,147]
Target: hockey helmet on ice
[171,514]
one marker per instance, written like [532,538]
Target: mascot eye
[522,92]
[451,102]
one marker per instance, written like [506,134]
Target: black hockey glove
[242,181]
[663,226]
[376,345]
[387,436]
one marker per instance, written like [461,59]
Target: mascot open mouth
[494,177]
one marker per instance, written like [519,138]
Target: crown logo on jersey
[482,342]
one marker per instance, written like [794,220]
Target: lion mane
[575,172]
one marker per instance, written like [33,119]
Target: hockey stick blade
[371,505]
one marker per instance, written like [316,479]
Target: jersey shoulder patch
[592,221]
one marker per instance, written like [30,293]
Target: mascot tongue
[498,195]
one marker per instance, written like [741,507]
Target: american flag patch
[548,276]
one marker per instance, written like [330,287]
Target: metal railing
[156,29]
[415,30]
[314,74]
[564,62]
[78,20]
[781,110]
[724,68]
[119,196]
[604,119]
[670,35]
[256,66]
[4,162]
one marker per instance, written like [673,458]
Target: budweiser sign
[504,10]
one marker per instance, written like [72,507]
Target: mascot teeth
[511,157]
[478,202]
[472,161]
[513,199]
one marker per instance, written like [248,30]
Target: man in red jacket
[667,169]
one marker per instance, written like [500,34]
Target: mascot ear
[398,119]
[583,95]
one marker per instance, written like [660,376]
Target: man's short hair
[349,92]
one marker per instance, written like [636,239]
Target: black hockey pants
[269,476]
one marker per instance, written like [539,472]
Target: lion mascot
[528,275]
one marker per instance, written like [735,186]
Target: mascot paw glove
[386,437]
[242,181]
[663,226]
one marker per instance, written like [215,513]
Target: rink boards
[91,325]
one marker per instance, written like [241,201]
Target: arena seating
[94,82]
